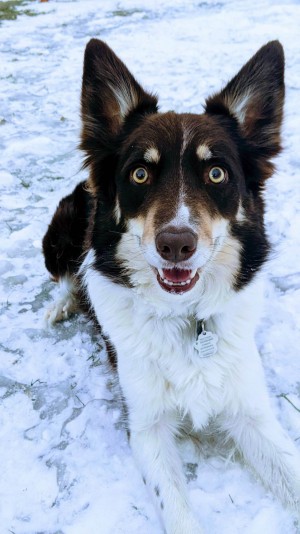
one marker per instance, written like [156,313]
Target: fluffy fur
[168,231]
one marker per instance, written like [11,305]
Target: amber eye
[139,175]
[217,175]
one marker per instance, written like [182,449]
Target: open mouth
[177,280]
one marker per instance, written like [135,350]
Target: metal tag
[206,343]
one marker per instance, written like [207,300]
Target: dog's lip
[176,280]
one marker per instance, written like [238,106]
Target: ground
[66,467]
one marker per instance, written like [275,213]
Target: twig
[80,400]
[284,396]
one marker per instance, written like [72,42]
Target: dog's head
[180,195]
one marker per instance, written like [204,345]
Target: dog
[164,244]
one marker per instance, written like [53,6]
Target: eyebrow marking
[152,155]
[203,152]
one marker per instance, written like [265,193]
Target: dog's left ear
[109,95]
[254,98]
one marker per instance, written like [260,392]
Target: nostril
[188,248]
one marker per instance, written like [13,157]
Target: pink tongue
[176,275]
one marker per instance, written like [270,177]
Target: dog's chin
[176,281]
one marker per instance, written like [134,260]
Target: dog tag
[206,343]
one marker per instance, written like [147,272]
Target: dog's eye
[217,175]
[139,175]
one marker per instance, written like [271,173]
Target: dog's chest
[157,360]
[192,384]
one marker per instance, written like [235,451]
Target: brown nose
[176,244]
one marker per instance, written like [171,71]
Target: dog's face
[179,185]
[183,190]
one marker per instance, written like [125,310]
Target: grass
[9,10]
[125,12]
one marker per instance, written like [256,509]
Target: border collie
[164,244]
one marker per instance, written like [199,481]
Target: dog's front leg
[260,438]
[155,450]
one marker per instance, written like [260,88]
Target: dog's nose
[176,244]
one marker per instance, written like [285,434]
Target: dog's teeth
[169,283]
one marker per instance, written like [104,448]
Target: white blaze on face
[182,217]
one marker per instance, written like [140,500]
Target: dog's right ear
[109,95]
[254,99]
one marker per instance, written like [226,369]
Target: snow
[66,464]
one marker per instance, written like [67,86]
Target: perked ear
[109,94]
[254,97]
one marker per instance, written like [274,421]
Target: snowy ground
[66,467]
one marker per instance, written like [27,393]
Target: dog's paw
[65,304]
[61,310]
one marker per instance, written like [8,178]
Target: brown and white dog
[165,244]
